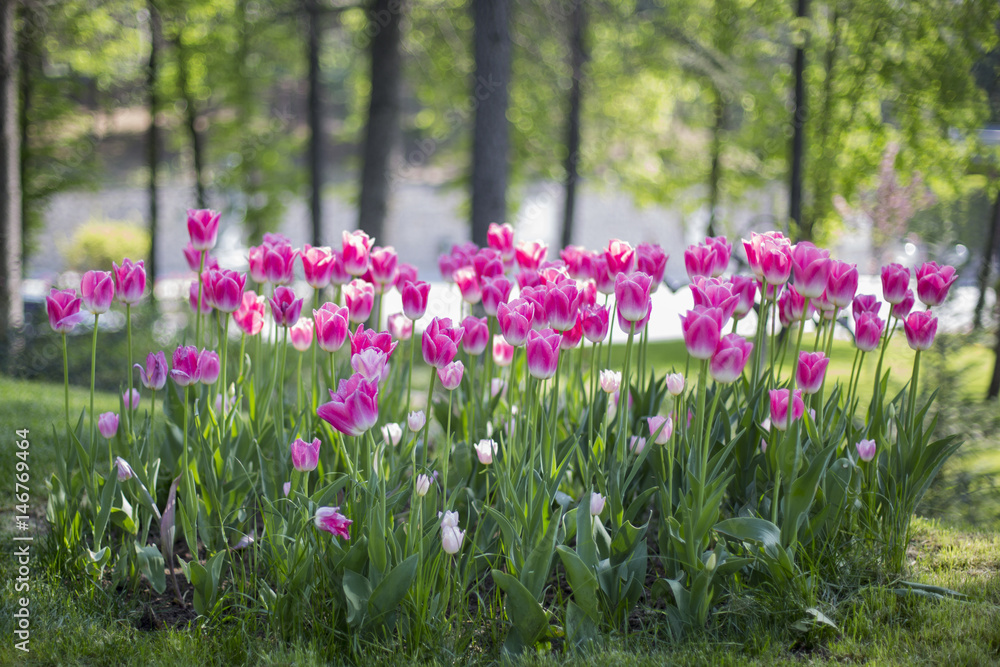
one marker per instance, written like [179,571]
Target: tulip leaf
[151,564]
[388,594]
[581,627]
[523,609]
[582,581]
[536,568]
[104,512]
[751,529]
[357,591]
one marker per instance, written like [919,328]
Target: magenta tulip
[318,265]
[400,326]
[866,450]
[333,522]
[495,291]
[530,254]
[842,283]
[632,293]
[753,249]
[249,317]
[301,334]
[920,328]
[501,239]
[305,455]
[285,308]
[414,295]
[154,375]
[780,417]
[384,267]
[730,358]
[577,260]
[107,424]
[570,338]
[353,408]
[362,339]
[185,366]
[97,291]
[811,268]
[702,331]
[865,303]
[902,309]
[745,290]
[206,307]
[651,260]
[476,335]
[562,305]
[63,309]
[468,285]
[224,289]
[130,280]
[255,259]
[723,250]
[451,375]
[203,228]
[439,343]
[503,352]
[543,353]
[360,298]
[933,283]
[627,326]
[895,282]
[371,363]
[620,257]
[700,261]
[596,322]
[775,256]
[516,320]
[868,331]
[208,367]
[811,371]
[715,293]
[356,246]
[331,324]
[131,399]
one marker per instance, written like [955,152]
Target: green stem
[409,371]
[66,382]
[913,393]
[197,315]
[699,427]
[225,367]
[428,412]
[93,381]
[447,455]
[128,408]
[795,358]
[552,417]
[279,389]
[623,393]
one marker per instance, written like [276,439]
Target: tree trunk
[715,171]
[152,137]
[578,56]
[986,267]
[490,132]
[29,41]
[798,129]
[315,126]
[11,307]
[385,17]
[994,389]
[191,118]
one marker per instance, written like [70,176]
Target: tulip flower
[468,285]
[416,420]
[700,261]
[595,323]
[933,283]
[501,239]
[902,309]
[333,522]
[792,306]
[485,451]
[702,331]
[154,375]
[203,228]
[920,328]
[715,293]
[97,291]
[362,339]
[637,444]
[414,296]
[868,331]
[255,259]
[895,282]
[400,326]
[448,265]
[601,274]
[610,381]
[651,260]
[124,470]
[632,293]
[475,336]
[665,426]
[722,252]
[372,363]
[63,309]
[130,281]
[866,450]
[230,403]
[543,353]
[570,338]
[754,250]
[423,485]
[353,408]
[331,324]
[185,366]
[301,334]
[131,399]
[576,258]
[318,265]
[356,247]
[495,291]
[744,289]
[516,320]
[206,307]
[360,298]
[208,367]
[627,326]
[107,424]
[842,283]
[730,358]
[305,455]
[620,257]
[249,317]
[675,384]
[597,502]
[451,375]
[497,385]
[811,371]
[194,258]
[439,344]
[811,267]
[285,308]
[503,352]
[780,417]
[392,434]
[384,267]
[530,254]
[562,305]
[865,303]
[775,260]
[451,537]
[224,289]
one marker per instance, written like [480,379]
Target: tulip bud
[485,450]
[423,485]
[131,402]
[675,384]
[667,424]
[416,420]
[637,444]
[125,471]
[610,380]
[596,504]
[866,450]
[107,424]
[392,433]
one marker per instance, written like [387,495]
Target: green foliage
[98,243]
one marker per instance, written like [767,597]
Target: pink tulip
[626,325]
[203,228]
[249,317]
[406,273]
[353,408]
[503,352]
[895,282]
[305,455]
[362,339]
[702,331]
[562,305]
[193,258]
[780,418]
[842,284]
[360,298]
[476,335]
[715,293]
[530,254]
[902,309]
[439,343]
[131,399]
[130,280]
[665,426]
[868,331]
[318,265]
[206,307]
[826,309]
[933,283]
[811,266]
[356,248]
[331,324]
[723,251]
[754,251]
[451,375]
[866,450]
[495,291]
[285,308]
[632,293]
[224,289]
[392,434]
[448,265]
[301,334]
[577,261]
[487,264]
[637,444]
[865,303]
[485,451]
[597,502]
[208,367]
[384,267]
[338,273]
[255,259]
[468,285]
[610,381]
[700,261]
[811,371]
[451,536]
[775,260]
[107,424]
[123,469]
[371,364]
[333,522]
[570,338]
[730,358]
[620,257]
[501,239]
[63,309]
[416,420]
[279,263]
[414,295]
[516,320]
[651,260]
[400,326]
[675,384]
[97,291]
[920,328]
[792,305]
[536,297]
[595,323]
[745,290]
[154,375]
[543,353]
[185,366]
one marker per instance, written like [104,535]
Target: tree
[578,57]
[11,307]
[490,146]
[153,134]
[799,112]
[385,19]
